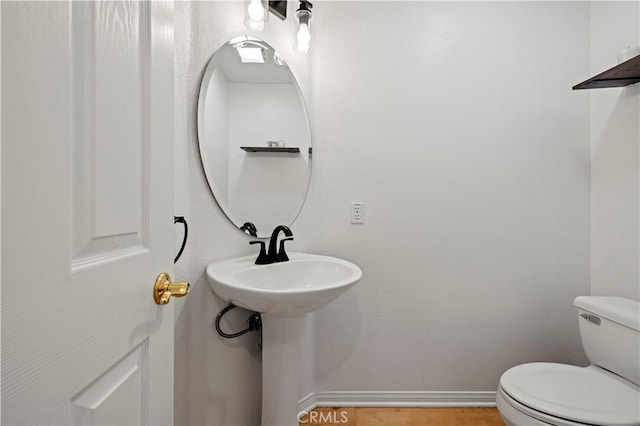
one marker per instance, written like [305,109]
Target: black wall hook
[181,219]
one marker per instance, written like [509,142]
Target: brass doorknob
[163,289]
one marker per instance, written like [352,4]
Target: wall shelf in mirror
[254,107]
[291,150]
[621,75]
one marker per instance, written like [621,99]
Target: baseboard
[307,403]
[397,399]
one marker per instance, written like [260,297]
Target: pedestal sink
[284,293]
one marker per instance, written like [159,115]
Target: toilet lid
[586,395]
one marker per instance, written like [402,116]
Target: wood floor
[324,416]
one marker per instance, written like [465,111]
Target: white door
[87,200]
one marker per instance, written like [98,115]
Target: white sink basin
[283,293]
[304,283]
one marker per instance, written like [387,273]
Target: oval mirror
[254,136]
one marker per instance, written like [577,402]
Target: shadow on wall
[339,331]
[203,385]
[614,192]
[623,113]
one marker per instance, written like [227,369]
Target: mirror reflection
[254,136]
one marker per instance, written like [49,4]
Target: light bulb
[256,16]
[255,10]
[303,39]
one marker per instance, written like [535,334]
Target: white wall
[456,125]
[218,381]
[615,163]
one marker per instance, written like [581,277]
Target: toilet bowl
[606,393]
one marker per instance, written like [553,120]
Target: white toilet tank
[610,332]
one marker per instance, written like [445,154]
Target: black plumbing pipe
[254,323]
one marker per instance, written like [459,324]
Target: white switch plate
[357,212]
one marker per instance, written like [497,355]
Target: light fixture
[257,15]
[303,37]
[278,8]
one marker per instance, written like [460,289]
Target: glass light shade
[303,37]
[257,15]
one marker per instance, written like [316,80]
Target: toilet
[606,393]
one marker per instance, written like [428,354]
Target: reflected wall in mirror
[254,135]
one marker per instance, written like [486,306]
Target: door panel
[110,67]
[118,396]
[87,154]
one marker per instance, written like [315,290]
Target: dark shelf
[292,150]
[621,75]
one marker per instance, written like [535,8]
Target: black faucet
[274,255]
